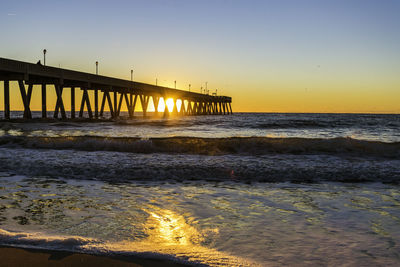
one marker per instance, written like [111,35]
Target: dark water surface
[247,189]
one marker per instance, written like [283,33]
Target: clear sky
[270,56]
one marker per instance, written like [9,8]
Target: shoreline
[14,256]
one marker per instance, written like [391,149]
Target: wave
[299,124]
[117,167]
[210,146]
[193,255]
[76,244]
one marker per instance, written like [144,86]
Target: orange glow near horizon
[271,98]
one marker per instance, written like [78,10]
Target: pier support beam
[197,108]
[59,103]
[103,102]
[72,102]
[208,108]
[106,96]
[115,104]
[57,107]
[96,103]
[7,100]
[194,108]
[182,112]
[187,112]
[24,96]
[121,97]
[175,108]
[85,100]
[156,100]
[29,94]
[191,112]
[44,101]
[144,100]
[166,111]
[128,104]
[134,99]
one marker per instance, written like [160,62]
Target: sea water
[238,190]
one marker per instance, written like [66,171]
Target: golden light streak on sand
[169,233]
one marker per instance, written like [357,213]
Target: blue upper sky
[270,55]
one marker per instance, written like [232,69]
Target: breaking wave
[210,146]
[188,255]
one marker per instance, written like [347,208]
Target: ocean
[248,189]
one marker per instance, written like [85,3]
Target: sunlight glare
[170,104]
[161,105]
[179,105]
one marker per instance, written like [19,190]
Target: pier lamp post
[156,81]
[97,67]
[44,57]
[201,89]
[189,86]
[206,88]
[175,84]
[131,75]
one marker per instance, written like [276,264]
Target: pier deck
[50,78]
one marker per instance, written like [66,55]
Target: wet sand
[35,257]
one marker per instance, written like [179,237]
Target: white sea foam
[211,146]
[200,222]
[121,167]
[166,247]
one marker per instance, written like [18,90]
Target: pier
[106,91]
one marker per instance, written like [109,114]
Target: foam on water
[218,224]
[170,249]
[123,167]
[358,126]
[211,146]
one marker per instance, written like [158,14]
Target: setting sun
[170,104]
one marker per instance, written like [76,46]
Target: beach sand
[35,257]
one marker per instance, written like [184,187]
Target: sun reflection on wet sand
[170,234]
[172,229]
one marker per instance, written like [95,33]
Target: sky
[269,56]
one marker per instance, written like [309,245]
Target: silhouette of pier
[111,91]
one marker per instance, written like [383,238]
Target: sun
[170,104]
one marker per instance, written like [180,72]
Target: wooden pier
[112,92]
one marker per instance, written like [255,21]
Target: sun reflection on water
[169,233]
[172,229]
